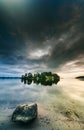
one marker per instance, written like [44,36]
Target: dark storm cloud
[66,49]
[31,26]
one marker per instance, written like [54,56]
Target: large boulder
[25,113]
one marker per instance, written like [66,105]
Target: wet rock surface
[25,113]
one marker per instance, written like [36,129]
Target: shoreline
[48,119]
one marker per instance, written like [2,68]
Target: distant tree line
[44,78]
[2,77]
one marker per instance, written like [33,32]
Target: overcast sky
[41,35]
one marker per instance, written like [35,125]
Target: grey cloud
[69,49]
[45,23]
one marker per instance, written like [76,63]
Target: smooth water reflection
[53,101]
[41,82]
[13,92]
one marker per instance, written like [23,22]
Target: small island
[80,78]
[44,78]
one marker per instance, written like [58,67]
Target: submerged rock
[25,113]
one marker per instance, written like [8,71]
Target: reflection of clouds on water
[65,102]
[77,97]
[73,88]
[13,92]
[62,103]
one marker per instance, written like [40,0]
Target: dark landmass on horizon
[10,77]
[80,78]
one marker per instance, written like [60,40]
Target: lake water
[60,106]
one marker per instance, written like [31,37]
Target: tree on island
[45,78]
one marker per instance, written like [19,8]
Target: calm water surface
[53,101]
[13,93]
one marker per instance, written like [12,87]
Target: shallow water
[60,106]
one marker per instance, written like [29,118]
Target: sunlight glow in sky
[39,53]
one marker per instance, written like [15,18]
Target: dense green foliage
[45,78]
